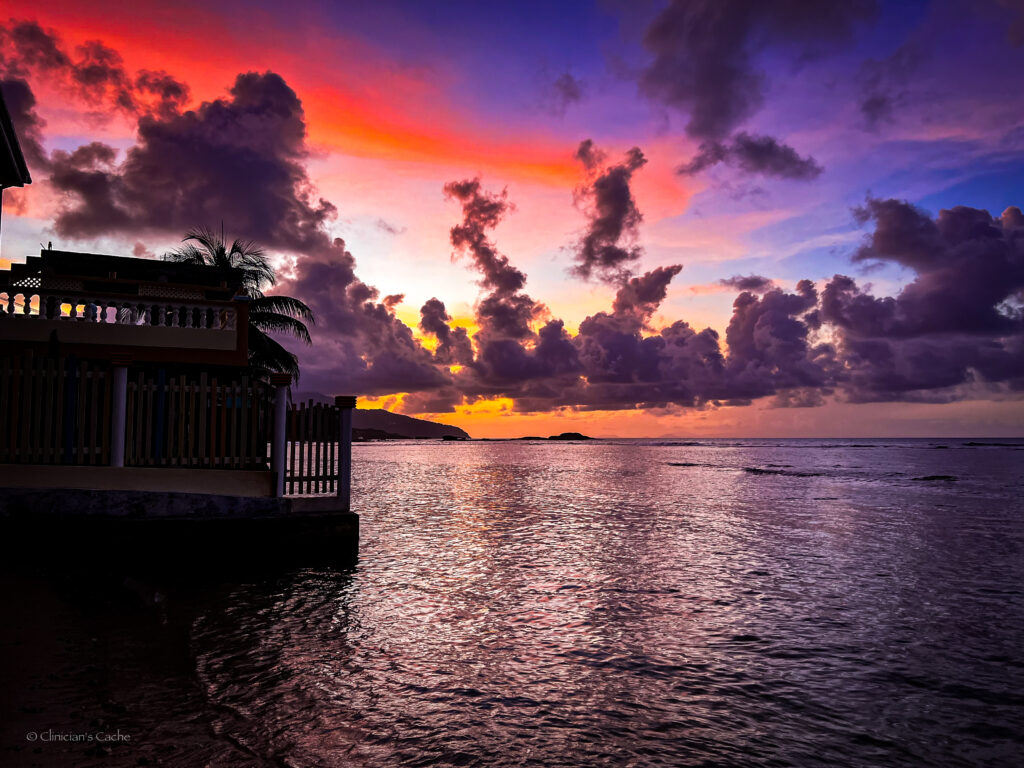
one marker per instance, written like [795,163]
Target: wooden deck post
[278,449]
[346,403]
[118,408]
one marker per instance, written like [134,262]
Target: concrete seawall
[165,528]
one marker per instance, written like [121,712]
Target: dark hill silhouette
[396,425]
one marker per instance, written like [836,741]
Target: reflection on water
[727,603]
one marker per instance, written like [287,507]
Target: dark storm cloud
[167,94]
[640,297]
[100,75]
[769,346]
[26,46]
[752,283]
[360,346]
[761,155]
[617,360]
[606,251]
[238,160]
[959,321]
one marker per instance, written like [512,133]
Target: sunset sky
[573,182]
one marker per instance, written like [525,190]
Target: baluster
[73,314]
[52,308]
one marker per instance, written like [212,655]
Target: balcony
[153,329]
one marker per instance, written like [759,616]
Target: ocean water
[607,603]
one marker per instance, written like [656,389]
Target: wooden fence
[57,410]
[54,410]
[311,461]
[197,421]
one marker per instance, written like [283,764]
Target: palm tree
[267,314]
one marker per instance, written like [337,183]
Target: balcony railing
[40,305]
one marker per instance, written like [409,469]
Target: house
[130,421]
[126,394]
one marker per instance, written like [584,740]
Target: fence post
[346,403]
[278,452]
[118,408]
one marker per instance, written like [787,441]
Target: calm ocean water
[619,603]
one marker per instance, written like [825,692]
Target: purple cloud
[613,217]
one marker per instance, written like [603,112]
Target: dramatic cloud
[752,283]
[95,74]
[957,326]
[505,312]
[613,218]
[705,64]
[359,345]
[237,160]
[762,155]
[453,344]
[705,51]
[639,297]
[960,321]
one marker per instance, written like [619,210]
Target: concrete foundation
[177,530]
[183,481]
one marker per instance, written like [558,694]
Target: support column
[118,408]
[346,403]
[278,451]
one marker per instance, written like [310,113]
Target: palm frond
[286,305]
[267,314]
[272,322]
[268,355]
[212,244]
[187,254]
